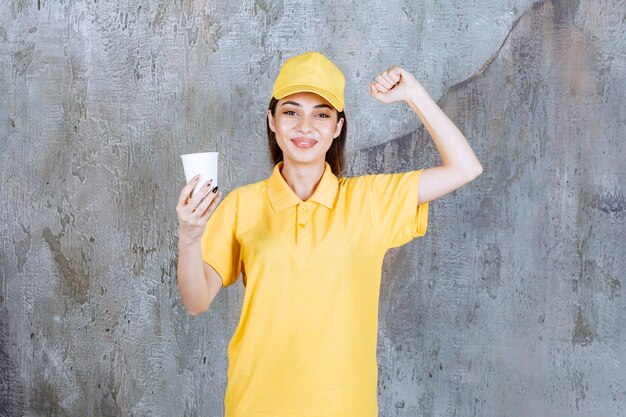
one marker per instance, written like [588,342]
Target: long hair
[335,156]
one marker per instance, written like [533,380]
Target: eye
[289,111]
[325,115]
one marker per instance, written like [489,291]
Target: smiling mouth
[304,143]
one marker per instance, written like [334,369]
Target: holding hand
[194,212]
[392,85]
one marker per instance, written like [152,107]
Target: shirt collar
[282,196]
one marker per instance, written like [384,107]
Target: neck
[302,179]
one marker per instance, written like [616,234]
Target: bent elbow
[195,311]
[475,174]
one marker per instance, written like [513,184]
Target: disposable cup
[203,163]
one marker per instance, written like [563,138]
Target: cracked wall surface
[512,304]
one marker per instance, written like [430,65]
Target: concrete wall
[513,304]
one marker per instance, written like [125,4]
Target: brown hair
[335,156]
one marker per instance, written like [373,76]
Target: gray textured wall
[513,304]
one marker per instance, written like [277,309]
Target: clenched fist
[392,85]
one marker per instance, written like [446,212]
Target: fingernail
[215,189]
[208,182]
[196,177]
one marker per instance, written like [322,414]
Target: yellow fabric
[305,345]
[313,72]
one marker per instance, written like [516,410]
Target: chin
[298,159]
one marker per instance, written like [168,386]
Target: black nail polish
[215,189]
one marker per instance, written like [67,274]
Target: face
[305,125]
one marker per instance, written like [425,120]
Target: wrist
[186,241]
[415,95]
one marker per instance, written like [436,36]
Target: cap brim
[292,89]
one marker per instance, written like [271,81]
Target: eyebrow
[298,104]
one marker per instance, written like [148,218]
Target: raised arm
[459,163]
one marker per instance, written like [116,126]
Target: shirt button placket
[303,216]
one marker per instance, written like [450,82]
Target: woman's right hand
[193,213]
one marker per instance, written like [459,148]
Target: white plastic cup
[203,163]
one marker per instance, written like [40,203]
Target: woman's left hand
[392,85]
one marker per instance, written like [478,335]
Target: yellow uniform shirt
[305,345]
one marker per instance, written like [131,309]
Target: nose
[305,124]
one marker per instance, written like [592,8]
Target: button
[302,208]
[301,224]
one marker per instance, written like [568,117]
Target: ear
[338,128]
[270,119]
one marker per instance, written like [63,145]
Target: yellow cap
[311,72]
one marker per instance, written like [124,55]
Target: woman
[310,246]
